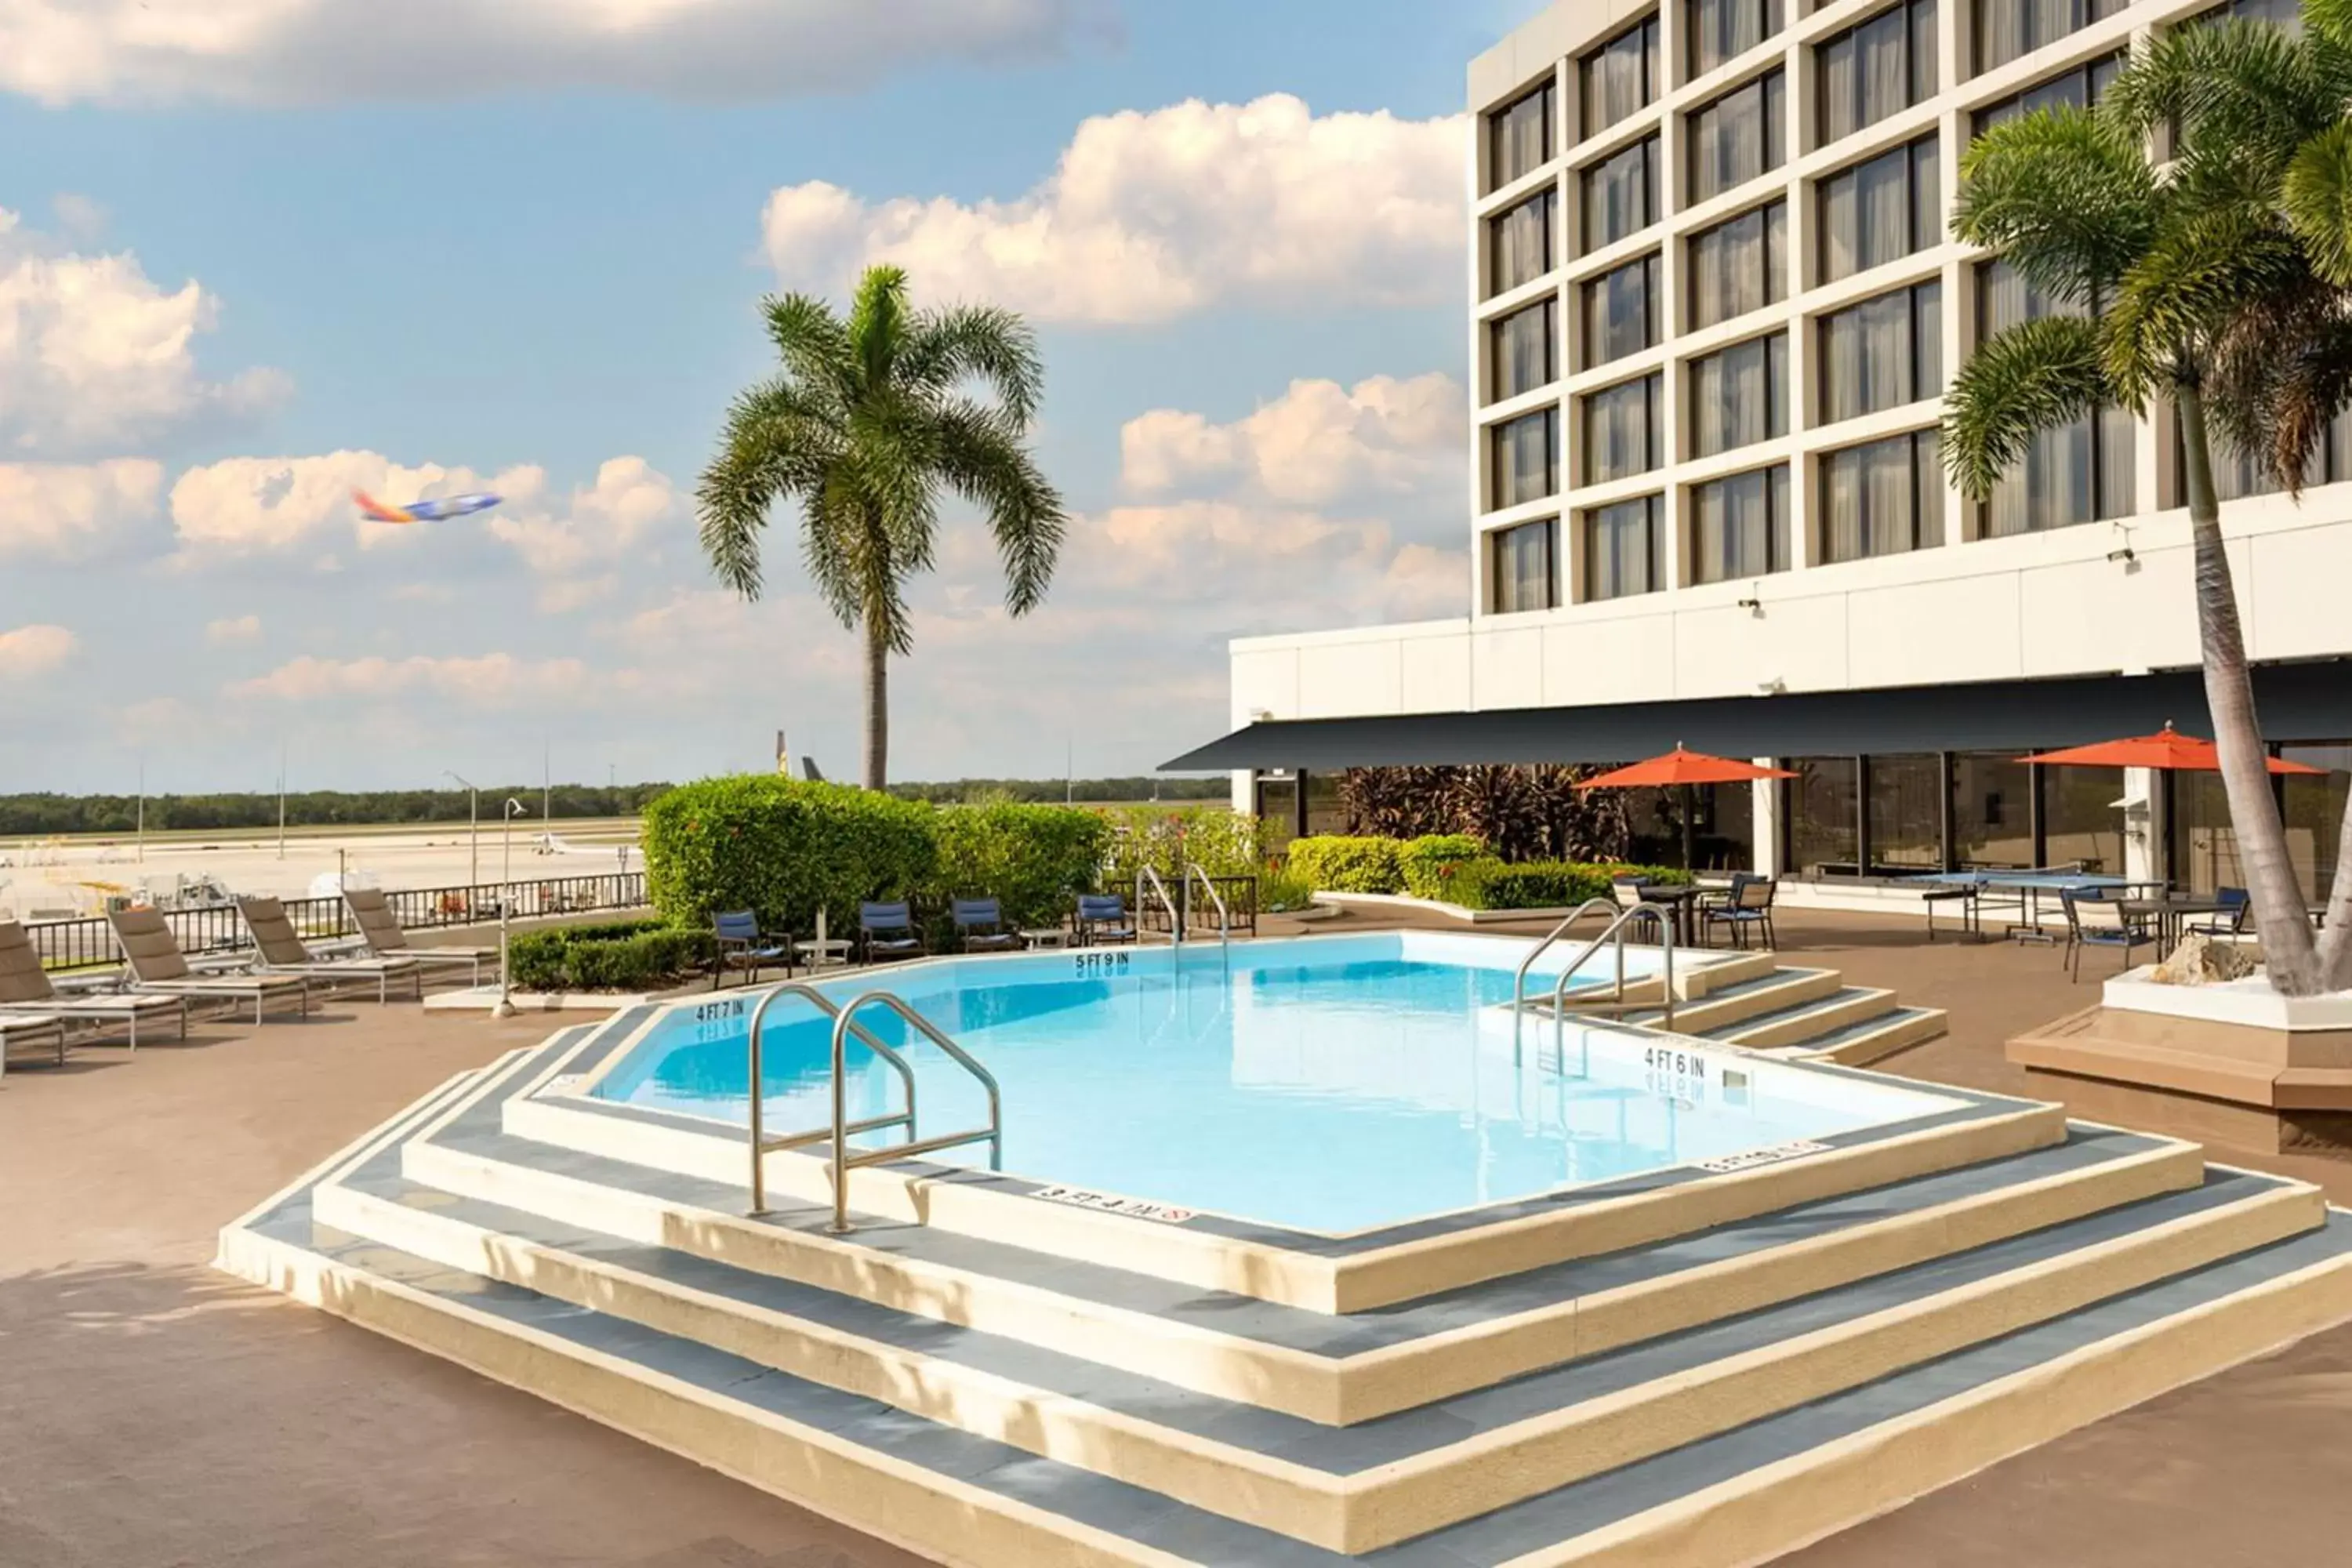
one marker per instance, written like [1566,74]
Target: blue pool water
[1331,1084]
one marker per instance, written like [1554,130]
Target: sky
[255,254]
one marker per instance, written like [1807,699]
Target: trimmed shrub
[1283,890]
[784,848]
[1432,864]
[1674,875]
[1221,842]
[1544,885]
[1333,863]
[1036,860]
[637,955]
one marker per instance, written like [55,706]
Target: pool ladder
[1616,1002]
[840,1129]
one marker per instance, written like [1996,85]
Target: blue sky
[529,252]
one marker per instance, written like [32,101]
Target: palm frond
[811,340]
[779,438]
[2315,196]
[977,343]
[2249,89]
[2204,270]
[983,459]
[878,324]
[2021,381]
[2067,196]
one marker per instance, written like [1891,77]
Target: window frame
[1926,327]
[2104,508]
[1498,446]
[1653,324]
[1776,390]
[1924,230]
[1496,538]
[1653,443]
[2094,12]
[1654,529]
[1776,133]
[1497,358]
[1549,198]
[1647,30]
[1779,492]
[1545,92]
[1772,21]
[1927,476]
[1913,94]
[1653,196]
[1776,284]
[2096,74]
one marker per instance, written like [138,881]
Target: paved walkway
[153,1413]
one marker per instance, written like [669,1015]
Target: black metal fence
[78,944]
[1240,894]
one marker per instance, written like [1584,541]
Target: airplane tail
[376,510]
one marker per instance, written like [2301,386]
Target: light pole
[473,835]
[505,1008]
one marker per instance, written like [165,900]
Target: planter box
[2249,1002]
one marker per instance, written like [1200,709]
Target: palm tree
[2220,279]
[866,424]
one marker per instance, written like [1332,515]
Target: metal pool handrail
[1520,981]
[844,1161]
[1617,929]
[1192,873]
[1147,874]
[761,1144]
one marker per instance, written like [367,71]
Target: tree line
[39,815]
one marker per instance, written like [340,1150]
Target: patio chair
[25,988]
[282,953]
[2128,931]
[888,930]
[980,924]
[31,1030]
[1102,918]
[380,929]
[2229,920]
[1626,889]
[740,944]
[1746,906]
[151,955]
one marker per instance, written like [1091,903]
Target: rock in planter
[2202,961]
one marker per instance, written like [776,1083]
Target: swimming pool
[1324,1084]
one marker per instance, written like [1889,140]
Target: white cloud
[277,51]
[62,511]
[258,506]
[613,520]
[233,629]
[95,356]
[1152,216]
[34,650]
[492,680]
[1315,445]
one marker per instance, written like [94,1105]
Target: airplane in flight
[435,511]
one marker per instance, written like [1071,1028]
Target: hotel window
[2080,823]
[2078,472]
[2240,474]
[1623,550]
[1621,195]
[1520,568]
[1882,209]
[2008,29]
[1904,798]
[1740,266]
[1723,29]
[1740,526]
[1740,397]
[1875,68]
[1526,458]
[1523,346]
[1520,242]
[1824,816]
[1621,77]
[2079,89]
[1882,498]
[1622,434]
[1621,311]
[2314,812]
[1518,138]
[1992,812]
[1737,137]
[1883,354]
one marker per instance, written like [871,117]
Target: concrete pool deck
[161,1413]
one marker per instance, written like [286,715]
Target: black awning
[2297,701]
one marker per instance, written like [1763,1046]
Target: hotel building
[1713,306]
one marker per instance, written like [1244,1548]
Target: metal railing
[1241,904]
[216,928]
[1146,876]
[1614,929]
[1224,917]
[841,1129]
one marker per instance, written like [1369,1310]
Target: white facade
[2100,596]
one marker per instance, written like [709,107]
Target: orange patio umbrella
[2168,749]
[1680,768]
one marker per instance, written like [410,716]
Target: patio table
[2170,912]
[1679,899]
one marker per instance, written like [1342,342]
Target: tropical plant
[2216,280]
[865,425]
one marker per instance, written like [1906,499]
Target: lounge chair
[979,922]
[282,953]
[742,944]
[888,930]
[1102,918]
[152,954]
[25,988]
[30,1029]
[380,930]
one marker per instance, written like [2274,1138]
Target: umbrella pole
[1688,857]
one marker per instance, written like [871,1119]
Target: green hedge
[1036,860]
[637,955]
[1544,885]
[1335,864]
[1444,865]
[784,848]
[1222,843]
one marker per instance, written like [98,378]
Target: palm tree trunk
[878,704]
[2336,941]
[2289,955]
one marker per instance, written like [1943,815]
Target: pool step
[1307,1363]
[1353,1488]
[1771,992]
[1803,1020]
[964,1499]
[1871,1039]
